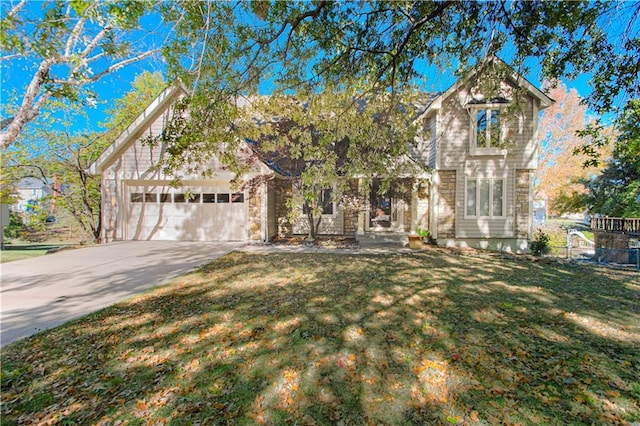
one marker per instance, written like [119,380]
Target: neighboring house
[539,211]
[30,191]
[481,152]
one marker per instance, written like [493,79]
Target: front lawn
[13,252]
[433,337]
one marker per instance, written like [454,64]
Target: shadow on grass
[431,337]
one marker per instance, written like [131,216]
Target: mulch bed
[320,241]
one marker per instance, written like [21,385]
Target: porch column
[401,207]
[414,206]
[361,213]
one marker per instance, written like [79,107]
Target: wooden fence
[624,225]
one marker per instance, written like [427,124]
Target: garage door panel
[214,217]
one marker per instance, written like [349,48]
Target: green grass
[14,252]
[432,337]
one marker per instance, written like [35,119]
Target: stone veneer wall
[617,243]
[284,192]
[350,226]
[422,206]
[109,211]
[255,213]
[523,203]
[447,204]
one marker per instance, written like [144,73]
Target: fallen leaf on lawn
[612,393]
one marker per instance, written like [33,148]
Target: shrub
[424,233]
[15,226]
[539,245]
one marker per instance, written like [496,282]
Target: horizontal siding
[139,160]
[454,133]
[329,224]
[454,142]
[424,147]
[433,145]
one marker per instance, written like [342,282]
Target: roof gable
[159,105]
[517,79]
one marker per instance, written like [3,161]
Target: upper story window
[486,130]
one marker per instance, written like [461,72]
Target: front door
[383,208]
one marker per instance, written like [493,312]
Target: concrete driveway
[44,292]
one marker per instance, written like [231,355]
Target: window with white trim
[484,198]
[486,132]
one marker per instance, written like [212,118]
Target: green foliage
[635,390]
[539,245]
[616,191]
[320,141]
[144,88]
[51,150]
[15,226]
[61,48]
[239,46]
[424,233]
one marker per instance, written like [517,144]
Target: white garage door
[186,214]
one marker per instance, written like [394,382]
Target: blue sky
[15,77]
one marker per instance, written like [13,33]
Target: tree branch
[16,9]
[73,37]
[295,22]
[29,108]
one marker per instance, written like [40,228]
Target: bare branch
[73,37]
[72,41]
[9,57]
[109,70]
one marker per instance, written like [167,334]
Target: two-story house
[479,143]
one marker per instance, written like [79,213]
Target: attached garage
[188,213]
[139,202]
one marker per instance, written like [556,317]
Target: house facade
[480,149]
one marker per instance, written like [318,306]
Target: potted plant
[415,241]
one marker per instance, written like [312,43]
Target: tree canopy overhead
[222,50]
[239,45]
[54,151]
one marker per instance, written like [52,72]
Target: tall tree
[54,151]
[616,191]
[240,47]
[311,138]
[64,47]
[562,170]
[388,43]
